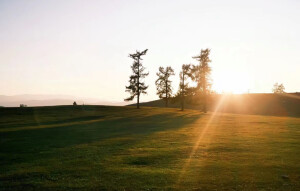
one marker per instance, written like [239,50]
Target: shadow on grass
[26,145]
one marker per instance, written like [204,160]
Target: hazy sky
[81,48]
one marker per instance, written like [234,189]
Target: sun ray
[289,95]
[200,138]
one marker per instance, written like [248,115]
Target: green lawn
[122,148]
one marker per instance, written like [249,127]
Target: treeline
[198,74]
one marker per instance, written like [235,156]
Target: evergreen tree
[163,84]
[201,75]
[136,86]
[183,85]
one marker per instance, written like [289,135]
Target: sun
[236,83]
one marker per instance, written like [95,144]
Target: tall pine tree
[183,85]
[201,75]
[136,85]
[163,83]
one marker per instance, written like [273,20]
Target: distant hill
[262,104]
[50,100]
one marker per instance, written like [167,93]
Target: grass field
[122,148]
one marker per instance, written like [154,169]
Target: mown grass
[122,148]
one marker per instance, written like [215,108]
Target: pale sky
[81,48]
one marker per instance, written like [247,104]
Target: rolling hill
[261,104]
[50,100]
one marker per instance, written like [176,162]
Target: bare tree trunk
[166,94]
[182,106]
[138,82]
[204,98]
[138,102]
[167,102]
[182,93]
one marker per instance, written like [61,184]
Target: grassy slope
[259,104]
[122,148]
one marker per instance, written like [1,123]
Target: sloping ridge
[287,104]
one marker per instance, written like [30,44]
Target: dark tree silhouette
[136,86]
[278,88]
[201,75]
[163,84]
[183,85]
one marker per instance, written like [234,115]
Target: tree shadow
[26,145]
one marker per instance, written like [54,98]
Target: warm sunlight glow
[235,82]
[202,131]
